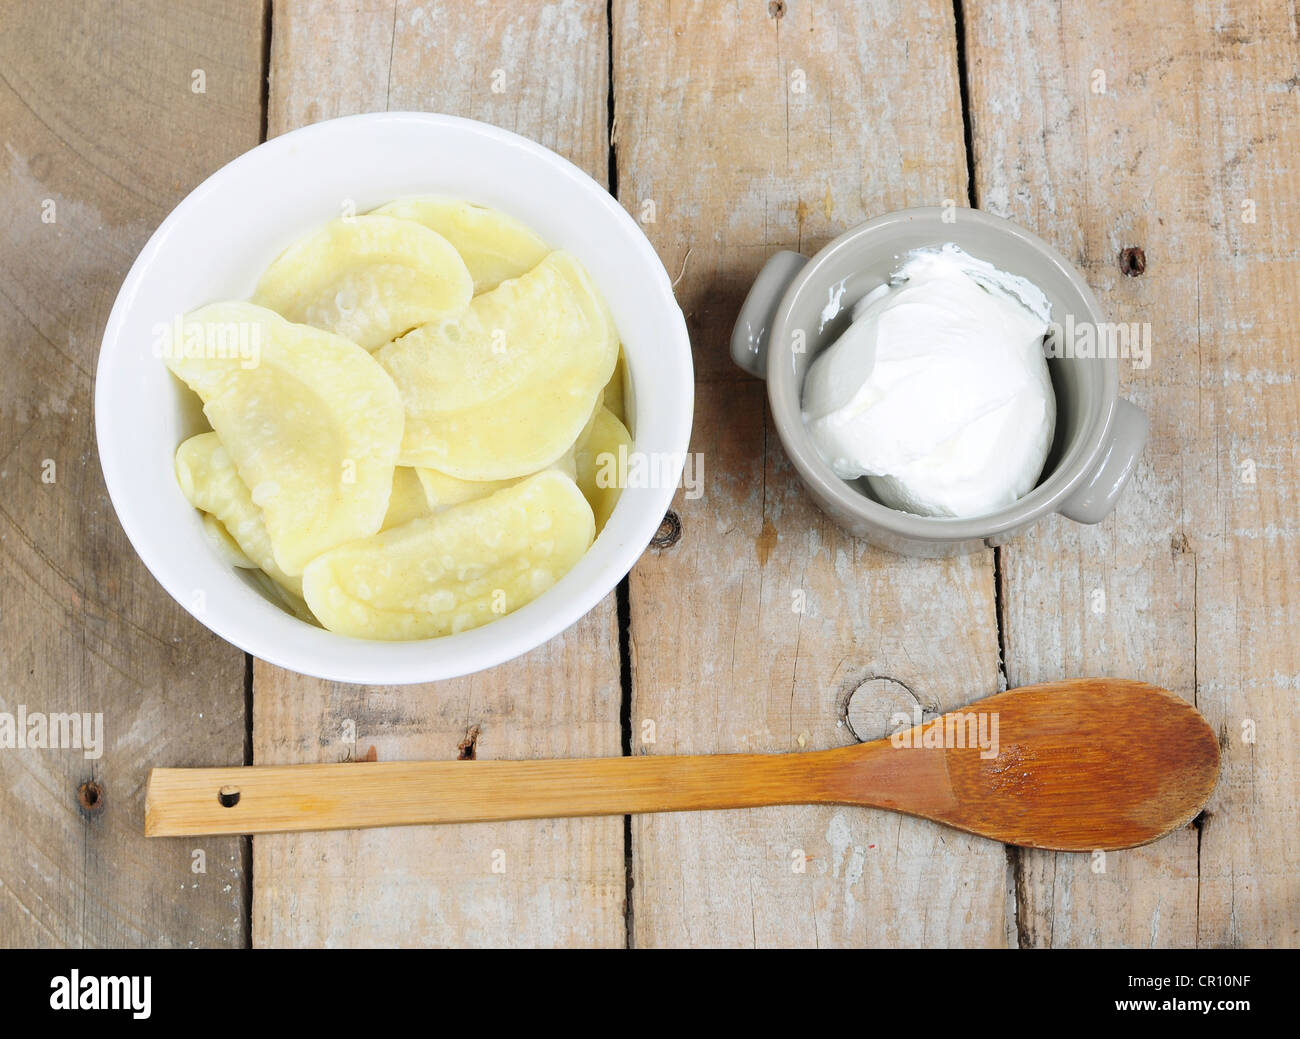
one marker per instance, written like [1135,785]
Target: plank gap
[998,616]
[246,843]
[623,592]
[266,70]
[609,99]
[963,89]
[624,607]
[248,708]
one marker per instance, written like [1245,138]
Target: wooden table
[731,131]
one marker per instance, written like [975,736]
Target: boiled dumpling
[504,388]
[443,491]
[456,569]
[313,426]
[368,279]
[495,247]
[613,397]
[225,544]
[210,482]
[598,463]
[408,500]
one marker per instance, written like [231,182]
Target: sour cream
[938,392]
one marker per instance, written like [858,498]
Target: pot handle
[1094,499]
[749,335]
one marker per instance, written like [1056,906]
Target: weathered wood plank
[104,140]
[757,127]
[1105,126]
[563,882]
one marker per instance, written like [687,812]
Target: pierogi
[493,246]
[456,569]
[368,278]
[415,434]
[505,387]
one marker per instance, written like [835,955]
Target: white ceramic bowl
[215,244]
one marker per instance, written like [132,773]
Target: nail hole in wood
[1132,262]
[669,532]
[776,9]
[467,749]
[90,795]
[40,165]
[228,796]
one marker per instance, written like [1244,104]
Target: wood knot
[669,532]
[90,795]
[876,708]
[1132,262]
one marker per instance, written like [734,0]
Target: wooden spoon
[1074,766]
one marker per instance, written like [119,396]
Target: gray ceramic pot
[1098,436]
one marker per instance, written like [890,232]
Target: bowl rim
[1044,498]
[630,531]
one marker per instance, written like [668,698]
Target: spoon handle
[279,798]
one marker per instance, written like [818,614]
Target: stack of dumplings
[414,437]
